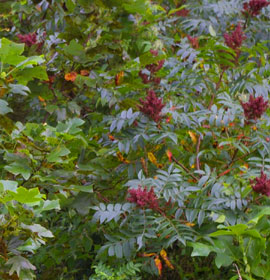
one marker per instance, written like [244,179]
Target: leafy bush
[134,139]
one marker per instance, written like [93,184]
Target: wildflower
[193,41]
[254,108]
[152,106]
[261,184]
[236,38]
[254,7]
[71,76]
[143,198]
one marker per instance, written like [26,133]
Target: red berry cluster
[194,41]
[30,39]
[261,184]
[236,38]
[254,108]
[152,68]
[143,198]
[152,106]
[254,7]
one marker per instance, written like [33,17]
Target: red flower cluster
[261,184]
[254,108]
[143,198]
[152,68]
[254,7]
[30,39]
[152,106]
[194,41]
[236,38]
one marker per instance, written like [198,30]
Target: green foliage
[74,140]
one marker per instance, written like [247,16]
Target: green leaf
[223,260]
[136,6]
[17,168]
[4,109]
[55,155]
[24,195]
[19,263]
[8,185]
[200,249]
[47,205]
[28,74]
[38,229]
[85,188]
[10,52]
[212,31]
[74,49]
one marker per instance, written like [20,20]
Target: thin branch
[218,84]
[183,166]
[197,153]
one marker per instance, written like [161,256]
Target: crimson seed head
[152,106]
[143,198]
[254,108]
[254,7]
[182,13]
[261,184]
[236,38]
[30,39]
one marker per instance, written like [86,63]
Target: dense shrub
[134,139]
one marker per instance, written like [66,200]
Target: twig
[218,84]
[238,272]
[197,153]
[183,166]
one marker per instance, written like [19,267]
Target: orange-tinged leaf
[121,158]
[148,254]
[84,72]
[71,76]
[41,99]
[158,264]
[224,173]
[111,137]
[169,155]
[188,224]
[193,137]
[144,165]
[119,78]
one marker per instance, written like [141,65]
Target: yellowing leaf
[164,256]
[193,137]
[152,158]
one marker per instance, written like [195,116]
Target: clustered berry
[254,108]
[194,41]
[152,68]
[261,184]
[236,38]
[30,39]
[254,7]
[143,198]
[152,106]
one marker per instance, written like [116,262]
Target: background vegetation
[134,139]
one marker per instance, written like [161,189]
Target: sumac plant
[134,139]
